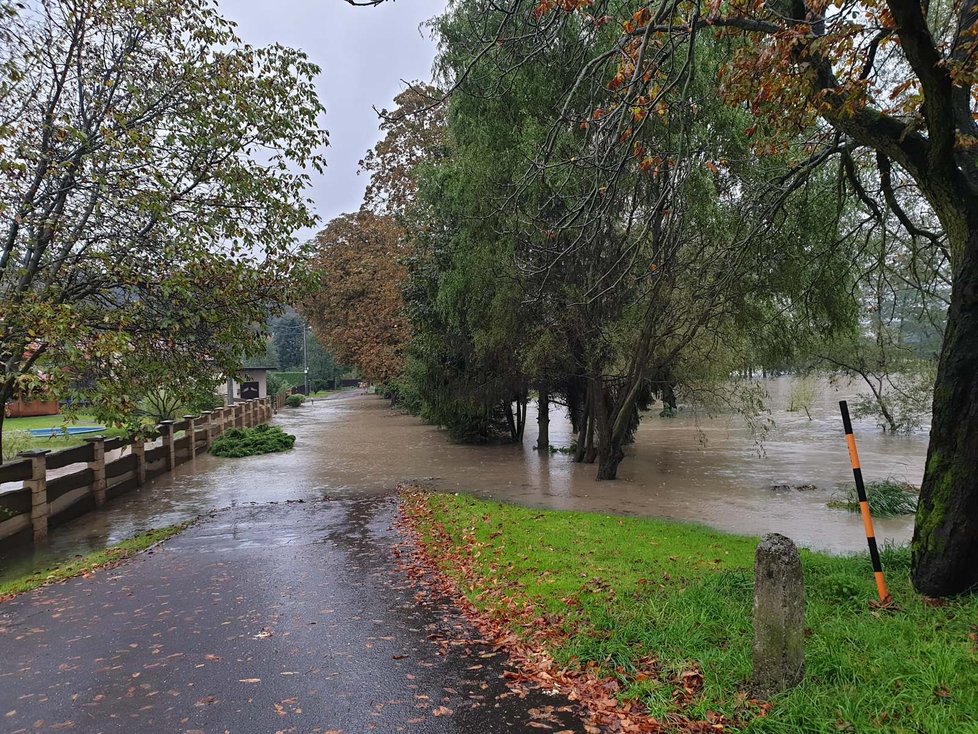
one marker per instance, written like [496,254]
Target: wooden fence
[47,498]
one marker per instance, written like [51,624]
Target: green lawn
[646,600]
[84,564]
[16,436]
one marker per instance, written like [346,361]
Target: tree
[896,77]
[357,312]
[287,334]
[148,194]
[323,368]
[634,242]
[414,135]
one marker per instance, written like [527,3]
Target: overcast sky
[364,54]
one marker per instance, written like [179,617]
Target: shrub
[14,442]
[294,401]
[263,439]
[886,497]
[276,385]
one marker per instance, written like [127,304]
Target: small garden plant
[294,401]
[264,439]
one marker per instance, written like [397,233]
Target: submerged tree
[149,194]
[634,245]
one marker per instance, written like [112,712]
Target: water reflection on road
[687,468]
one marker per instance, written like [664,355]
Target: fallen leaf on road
[442,711]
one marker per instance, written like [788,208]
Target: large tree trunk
[610,451]
[945,541]
[511,421]
[543,419]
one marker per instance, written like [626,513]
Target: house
[251,381]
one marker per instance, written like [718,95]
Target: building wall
[233,387]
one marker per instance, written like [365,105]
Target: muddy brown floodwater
[686,468]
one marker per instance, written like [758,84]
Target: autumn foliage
[357,312]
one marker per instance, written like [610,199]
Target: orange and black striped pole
[857,474]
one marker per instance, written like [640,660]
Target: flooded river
[686,467]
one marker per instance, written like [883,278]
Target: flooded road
[686,468]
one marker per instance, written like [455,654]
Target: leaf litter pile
[442,569]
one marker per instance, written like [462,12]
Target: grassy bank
[656,604]
[84,564]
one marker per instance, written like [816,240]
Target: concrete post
[166,432]
[779,616]
[97,465]
[192,432]
[139,451]
[38,486]
[207,423]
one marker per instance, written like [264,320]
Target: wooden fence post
[239,415]
[192,432]
[139,451]
[97,465]
[38,487]
[166,431]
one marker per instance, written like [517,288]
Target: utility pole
[305,358]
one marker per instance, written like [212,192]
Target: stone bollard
[166,432]
[97,465]
[779,616]
[207,423]
[139,451]
[38,486]
[192,433]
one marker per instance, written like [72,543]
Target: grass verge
[80,565]
[664,611]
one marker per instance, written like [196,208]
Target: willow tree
[150,184]
[629,220]
[821,80]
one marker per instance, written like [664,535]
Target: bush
[14,442]
[264,439]
[886,497]
[275,385]
[292,378]
[294,401]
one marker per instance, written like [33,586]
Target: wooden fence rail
[47,498]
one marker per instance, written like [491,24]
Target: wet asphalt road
[263,618]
